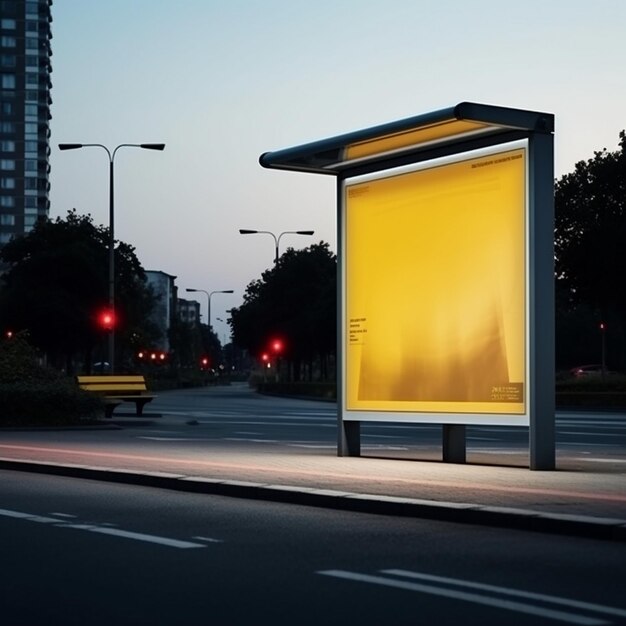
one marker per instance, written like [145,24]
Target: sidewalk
[579,502]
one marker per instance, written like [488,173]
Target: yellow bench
[117,389]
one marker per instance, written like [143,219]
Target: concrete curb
[501,517]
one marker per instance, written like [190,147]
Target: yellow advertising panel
[435,267]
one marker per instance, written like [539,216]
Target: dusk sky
[222,81]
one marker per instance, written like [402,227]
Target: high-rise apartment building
[25,101]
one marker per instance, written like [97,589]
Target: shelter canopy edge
[464,121]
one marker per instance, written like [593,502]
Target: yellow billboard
[435,289]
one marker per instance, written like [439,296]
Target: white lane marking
[116,532]
[167,432]
[247,432]
[209,539]
[165,541]
[577,604]
[64,515]
[251,440]
[584,444]
[508,605]
[588,433]
[382,446]
[470,438]
[591,459]
[29,517]
[313,446]
[257,423]
[173,438]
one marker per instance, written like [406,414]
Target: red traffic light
[277,345]
[265,357]
[106,319]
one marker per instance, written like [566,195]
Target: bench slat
[115,388]
[109,379]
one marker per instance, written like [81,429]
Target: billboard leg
[542,427]
[454,443]
[349,443]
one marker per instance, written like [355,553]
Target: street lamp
[247,231]
[145,146]
[208,295]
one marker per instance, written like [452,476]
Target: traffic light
[106,319]
[204,363]
[277,345]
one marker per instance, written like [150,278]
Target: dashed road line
[103,529]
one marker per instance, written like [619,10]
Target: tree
[590,233]
[56,286]
[295,302]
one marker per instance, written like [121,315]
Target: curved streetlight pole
[111,155]
[208,295]
[247,231]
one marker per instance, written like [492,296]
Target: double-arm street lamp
[208,295]
[111,155]
[247,231]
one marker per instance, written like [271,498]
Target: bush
[316,390]
[32,394]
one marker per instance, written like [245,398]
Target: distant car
[101,366]
[588,371]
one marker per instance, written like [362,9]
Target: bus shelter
[445,226]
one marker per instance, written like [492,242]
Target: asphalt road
[237,414]
[78,552]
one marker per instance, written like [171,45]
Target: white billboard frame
[432,417]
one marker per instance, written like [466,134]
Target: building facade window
[7,127]
[6,145]
[8,24]
[7,42]
[7,183]
[7,220]
[7,60]
[7,164]
[7,202]
[8,81]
